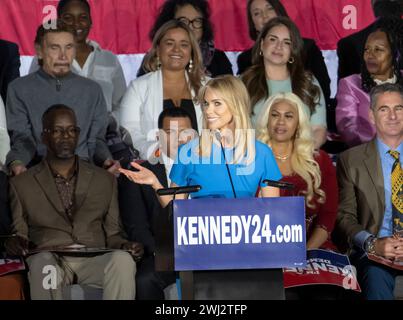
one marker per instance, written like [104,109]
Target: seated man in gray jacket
[54,83]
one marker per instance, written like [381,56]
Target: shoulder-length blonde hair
[233,92]
[302,157]
[151,60]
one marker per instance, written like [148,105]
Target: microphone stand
[218,137]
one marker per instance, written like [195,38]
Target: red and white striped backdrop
[122,26]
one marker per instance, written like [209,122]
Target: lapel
[47,183]
[374,169]
[84,178]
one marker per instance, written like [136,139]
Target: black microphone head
[279,184]
[217,135]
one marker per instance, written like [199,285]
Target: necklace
[281,158]
[278,157]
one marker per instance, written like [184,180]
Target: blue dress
[211,172]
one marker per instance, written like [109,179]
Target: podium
[220,282]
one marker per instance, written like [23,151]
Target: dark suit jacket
[5,220]
[139,207]
[313,61]
[219,65]
[38,213]
[9,65]
[361,193]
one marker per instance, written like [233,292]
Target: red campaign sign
[323,267]
[398,265]
[122,26]
[8,265]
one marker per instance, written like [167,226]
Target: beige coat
[38,213]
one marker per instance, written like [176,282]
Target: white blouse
[4,138]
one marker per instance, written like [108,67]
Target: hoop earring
[291,60]
[261,53]
[158,63]
[190,68]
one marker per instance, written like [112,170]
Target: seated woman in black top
[196,14]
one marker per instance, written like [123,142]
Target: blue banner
[247,233]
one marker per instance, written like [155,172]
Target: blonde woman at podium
[226,160]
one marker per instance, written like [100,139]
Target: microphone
[178,190]
[217,135]
[279,184]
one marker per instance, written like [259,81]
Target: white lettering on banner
[209,230]
[193,230]
[203,230]
[9,261]
[236,229]
[316,268]
[226,239]
[246,226]
[182,236]
[215,230]
[256,223]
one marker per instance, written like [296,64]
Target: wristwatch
[370,245]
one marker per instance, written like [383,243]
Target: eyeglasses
[196,23]
[58,132]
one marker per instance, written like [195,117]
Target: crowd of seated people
[61,189]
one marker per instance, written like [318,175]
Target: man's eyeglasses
[57,132]
[196,23]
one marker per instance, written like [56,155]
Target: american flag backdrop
[122,26]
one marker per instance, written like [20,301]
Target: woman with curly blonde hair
[285,127]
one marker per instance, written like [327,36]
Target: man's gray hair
[382,88]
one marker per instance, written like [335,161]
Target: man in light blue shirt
[364,219]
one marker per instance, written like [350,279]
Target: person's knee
[121,261]
[44,272]
[148,286]
[377,283]
[39,261]
[377,274]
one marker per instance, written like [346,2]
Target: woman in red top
[285,128]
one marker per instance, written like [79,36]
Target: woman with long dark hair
[260,12]
[278,67]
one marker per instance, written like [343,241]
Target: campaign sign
[323,267]
[10,264]
[246,233]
